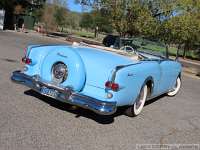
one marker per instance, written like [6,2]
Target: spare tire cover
[76,70]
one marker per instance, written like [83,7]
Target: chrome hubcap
[59,72]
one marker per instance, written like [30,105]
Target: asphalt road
[29,121]
[191,64]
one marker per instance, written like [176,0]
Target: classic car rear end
[72,74]
[96,79]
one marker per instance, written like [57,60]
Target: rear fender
[132,78]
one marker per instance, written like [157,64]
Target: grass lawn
[159,47]
[145,44]
[86,34]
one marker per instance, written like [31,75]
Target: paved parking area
[29,121]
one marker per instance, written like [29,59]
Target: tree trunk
[9,18]
[184,51]
[177,52]
[167,50]
[95,33]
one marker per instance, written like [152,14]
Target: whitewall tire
[176,88]
[137,107]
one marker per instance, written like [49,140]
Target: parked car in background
[137,43]
[109,40]
[117,42]
[96,79]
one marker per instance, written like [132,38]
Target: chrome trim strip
[65,94]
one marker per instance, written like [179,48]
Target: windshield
[148,49]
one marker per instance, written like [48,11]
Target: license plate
[49,92]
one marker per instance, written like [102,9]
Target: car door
[167,75]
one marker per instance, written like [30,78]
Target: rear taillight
[25,50]
[27,61]
[111,85]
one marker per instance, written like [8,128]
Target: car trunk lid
[100,65]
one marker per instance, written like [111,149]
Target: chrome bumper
[65,94]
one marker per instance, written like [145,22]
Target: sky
[74,7]
[71,5]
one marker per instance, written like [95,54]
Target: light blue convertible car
[96,79]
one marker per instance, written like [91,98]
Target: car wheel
[137,107]
[176,88]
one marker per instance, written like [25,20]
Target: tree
[37,8]
[48,18]
[132,18]
[96,18]
[60,15]
[87,21]
[141,21]
[28,7]
[127,17]
[73,20]
[6,4]
[54,15]
[172,21]
[183,29]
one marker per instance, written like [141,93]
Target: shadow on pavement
[80,112]
[9,60]
[154,99]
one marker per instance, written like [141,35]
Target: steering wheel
[128,49]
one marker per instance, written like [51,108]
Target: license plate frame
[49,92]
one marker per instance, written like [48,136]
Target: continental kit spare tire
[63,58]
